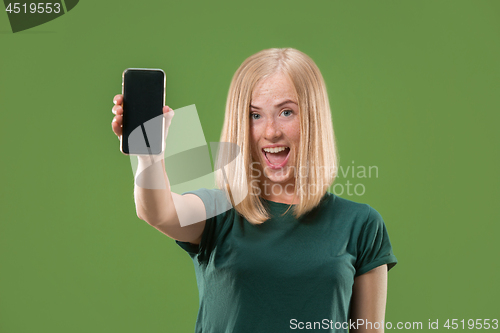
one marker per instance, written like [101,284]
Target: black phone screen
[143,101]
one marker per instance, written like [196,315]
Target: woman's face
[275,129]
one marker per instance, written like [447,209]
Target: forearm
[153,198]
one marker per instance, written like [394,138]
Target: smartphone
[143,92]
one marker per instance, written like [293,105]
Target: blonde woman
[273,250]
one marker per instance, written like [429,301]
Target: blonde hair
[317,149]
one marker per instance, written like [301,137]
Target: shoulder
[357,215]
[206,193]
[215,200]
[348,204]
[348,208]
[219,215]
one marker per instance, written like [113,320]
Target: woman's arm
[369,296]
[154,201]
[162,208]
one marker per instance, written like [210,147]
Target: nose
[273,130]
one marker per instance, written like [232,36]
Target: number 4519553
[472,324]
[33,8]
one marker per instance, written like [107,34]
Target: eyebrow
[277,105]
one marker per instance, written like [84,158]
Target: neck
[279,192]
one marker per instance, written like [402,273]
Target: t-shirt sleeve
[216,207]
[374,246]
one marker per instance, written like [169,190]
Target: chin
[278,176]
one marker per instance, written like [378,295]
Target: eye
[254,116]
[287,113]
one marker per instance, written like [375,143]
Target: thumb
[167,118]
[169,115]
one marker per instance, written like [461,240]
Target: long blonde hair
[317,150]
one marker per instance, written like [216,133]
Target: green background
[414,90]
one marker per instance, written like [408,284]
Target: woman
[274,251]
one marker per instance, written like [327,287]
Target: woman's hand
[117,123]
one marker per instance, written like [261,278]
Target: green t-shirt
[285,274]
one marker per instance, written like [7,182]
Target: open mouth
[276,157]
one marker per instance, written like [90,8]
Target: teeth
[274,150]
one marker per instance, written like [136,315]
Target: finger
[168,118]
[118,110]
[116,125]
[118,99]
[168,113]
[118,119]
[167,109]
[117,129]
